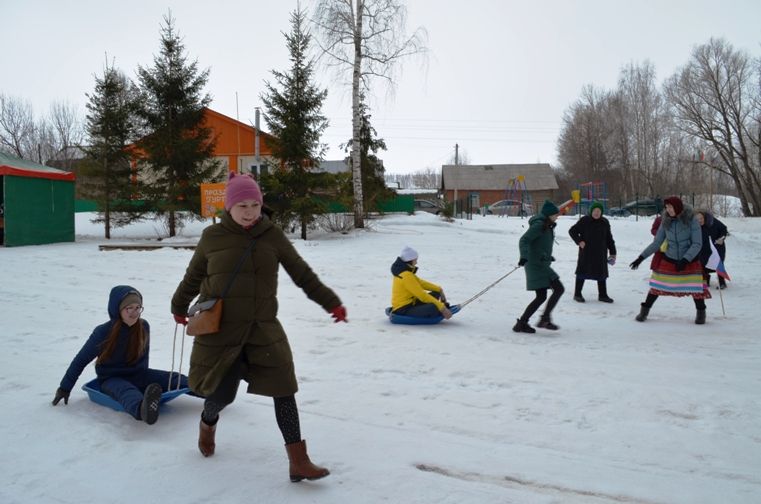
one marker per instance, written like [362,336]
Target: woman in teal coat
[536,255]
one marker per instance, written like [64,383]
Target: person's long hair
[138,340]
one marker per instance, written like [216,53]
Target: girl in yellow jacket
[411,295]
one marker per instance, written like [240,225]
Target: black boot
[700,317]
[577,291]
[643,312]
[522,326]
[149,408]
[546,323]
[722,283]
[602,292]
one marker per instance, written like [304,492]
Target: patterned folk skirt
[667,281]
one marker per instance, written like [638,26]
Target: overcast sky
[499,75]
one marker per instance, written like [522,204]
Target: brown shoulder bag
[204,317]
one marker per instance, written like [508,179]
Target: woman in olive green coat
[536,256]
[251,344]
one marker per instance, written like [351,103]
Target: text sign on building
[212,199]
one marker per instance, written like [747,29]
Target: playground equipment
[567,205]
[516,191]
[589,192]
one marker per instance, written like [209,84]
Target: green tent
[36,202]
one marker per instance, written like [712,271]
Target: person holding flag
[714,233]
[680,272]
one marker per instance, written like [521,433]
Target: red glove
[180,319]
[339,313]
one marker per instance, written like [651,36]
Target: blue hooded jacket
[682,233]
[117,364]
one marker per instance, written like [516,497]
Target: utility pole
[256,140]
[456,154]
[237,131]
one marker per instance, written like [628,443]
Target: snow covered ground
[605,410]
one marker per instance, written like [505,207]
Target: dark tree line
[698,132]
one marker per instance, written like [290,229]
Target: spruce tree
[293,115]
[177,147]
[110,129]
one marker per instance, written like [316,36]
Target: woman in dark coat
[120,349]
[251,344]
[680,272]
[596,248]
[713,231]
[536,256]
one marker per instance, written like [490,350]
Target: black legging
[286,414]
[700,304]
[541,296]
[286,411]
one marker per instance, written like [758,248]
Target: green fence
[81,205]
[401,203]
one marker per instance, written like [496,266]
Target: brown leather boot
[300,465]
[206,438]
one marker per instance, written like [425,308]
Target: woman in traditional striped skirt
[680,273]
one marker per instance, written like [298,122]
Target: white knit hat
[408,254]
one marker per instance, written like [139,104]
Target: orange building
[235,148]
[236,144]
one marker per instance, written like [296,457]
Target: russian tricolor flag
[715,263]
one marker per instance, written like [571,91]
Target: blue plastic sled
[406,319]
[93,390]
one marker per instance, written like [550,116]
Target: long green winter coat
[536,247]
[249,314]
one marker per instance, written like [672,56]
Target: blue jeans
[128,391]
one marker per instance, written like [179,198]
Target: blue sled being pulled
[406,319]
[93,390]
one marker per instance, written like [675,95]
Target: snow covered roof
[538,176]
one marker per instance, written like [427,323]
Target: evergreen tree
[110,129]
[293,115]
[374,188]
[177,147]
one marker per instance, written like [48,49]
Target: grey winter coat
[682,233]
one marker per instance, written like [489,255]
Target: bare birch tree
[17,127]
[585,146]
[369,38]
[715,100]
[67,132]
[643,120]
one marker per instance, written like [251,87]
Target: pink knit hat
[239,188]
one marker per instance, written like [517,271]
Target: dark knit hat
[240,188]
[133,297]
[676,202]
[549,208]
[594,205]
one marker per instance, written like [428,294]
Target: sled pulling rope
[462,305]
[174,351]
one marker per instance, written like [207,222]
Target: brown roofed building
[486,184]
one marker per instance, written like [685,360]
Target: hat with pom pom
[240,188]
